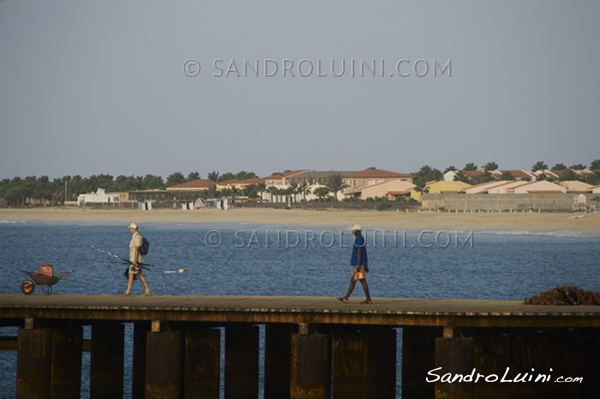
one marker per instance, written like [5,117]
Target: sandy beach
[590,223]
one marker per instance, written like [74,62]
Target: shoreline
[535,222]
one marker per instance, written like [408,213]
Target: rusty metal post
[310,366]
[106,360]
[202,364]
[34,353]
[241,361]
[164,365]
[418,357]
[364,364]
[278,347]
[65,377]
[455,356]
[138,372]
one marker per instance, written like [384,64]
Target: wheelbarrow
[45,279]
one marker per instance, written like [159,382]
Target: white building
[99,197]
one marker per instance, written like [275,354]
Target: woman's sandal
[367,302]
[342,300]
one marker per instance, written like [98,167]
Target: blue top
[359,242]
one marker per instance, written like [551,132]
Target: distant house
[540,187]
[239,184]
[315,178]
[372,176]
[99,197]
[576,186]
[441,187]
[192,186]
[281,179]
[521,174]
[496,174]
[389,189]
[516,187]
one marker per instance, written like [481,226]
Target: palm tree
[335,183]
[213,176]
[460,176]
[321,192]
[274,191]
[213,191]
[421,187]
[304,189]
[539,165]
[293,190]
[490,166]
[261,188]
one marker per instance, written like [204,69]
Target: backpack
[144,246]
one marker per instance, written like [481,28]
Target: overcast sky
[135,88]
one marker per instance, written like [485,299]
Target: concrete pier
[314,347]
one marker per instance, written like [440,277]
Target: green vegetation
[19,191]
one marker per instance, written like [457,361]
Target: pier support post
[310,365]
[364,364]
[278,348]
[202,364]
[491,356]
[49,362]
[591,367]
[164,365]
[454,355]
[106,360]
[241,361]
[418,357]
[138,383]
[34,354]
[65,377]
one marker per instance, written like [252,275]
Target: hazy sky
[101,87]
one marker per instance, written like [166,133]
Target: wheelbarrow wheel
[27,287]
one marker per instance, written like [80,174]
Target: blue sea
[247,259]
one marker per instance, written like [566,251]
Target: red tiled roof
[247,182]
[200,183]
[374,173]
[518,174]
[473,173]
[286,174]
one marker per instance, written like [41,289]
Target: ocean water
[245,259]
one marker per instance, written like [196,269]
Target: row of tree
[18,191]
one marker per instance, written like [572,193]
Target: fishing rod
[123,260]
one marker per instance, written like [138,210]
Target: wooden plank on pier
[315,310]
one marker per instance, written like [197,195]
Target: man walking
[360,264]
[136,260]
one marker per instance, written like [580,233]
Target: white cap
[133,226]
[356,227]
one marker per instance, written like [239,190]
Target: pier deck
[293,309]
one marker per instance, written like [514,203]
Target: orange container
[47,270]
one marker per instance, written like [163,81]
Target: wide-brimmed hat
[133,226]
[356,227]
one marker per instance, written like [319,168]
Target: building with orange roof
[389,189]
[369,177]
[192,186]
[281,179]
[441,187]
[239,184]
